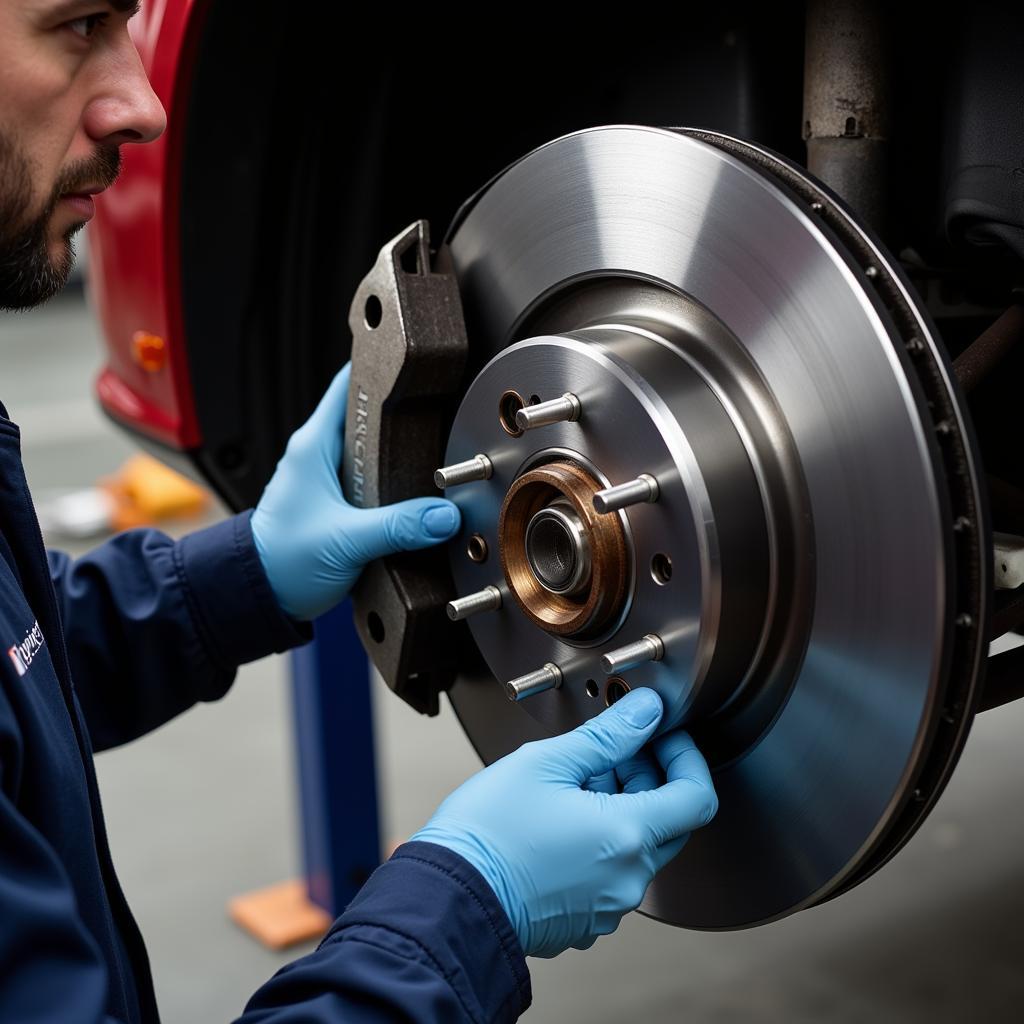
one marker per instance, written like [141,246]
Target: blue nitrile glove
[313,544]
[566,862]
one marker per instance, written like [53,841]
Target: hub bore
[567,566]
[558,549]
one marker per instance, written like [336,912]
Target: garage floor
[204,809]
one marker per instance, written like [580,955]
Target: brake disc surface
[729,330]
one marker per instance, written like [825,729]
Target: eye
[86,25]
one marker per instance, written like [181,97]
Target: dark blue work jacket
[98,651]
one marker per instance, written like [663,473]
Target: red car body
[224,260]
[134,239]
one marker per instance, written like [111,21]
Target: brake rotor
[813,565]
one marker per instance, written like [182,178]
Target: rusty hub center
[567,566]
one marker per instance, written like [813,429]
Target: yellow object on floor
[146,491]
[280,915]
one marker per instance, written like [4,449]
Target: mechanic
[543,850]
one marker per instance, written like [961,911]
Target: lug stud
[486,600]
[559,410]
[547,678]
[477,468]
[643,489]
[650,648]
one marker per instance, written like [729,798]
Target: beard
[29,275]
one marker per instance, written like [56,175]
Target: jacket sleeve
[425,940]
[154,625]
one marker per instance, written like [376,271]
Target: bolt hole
[508,405]
[592,688]
[615,689]
[375,624]
[661,569]
[373,313]
[477,548]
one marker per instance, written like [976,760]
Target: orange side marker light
[149,351]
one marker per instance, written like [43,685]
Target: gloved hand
[566,862]
[312,543]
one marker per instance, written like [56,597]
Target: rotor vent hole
[615,689]
[534,399]
[375,624]
[373,312]
[661,569]
[477,548]
[592,688]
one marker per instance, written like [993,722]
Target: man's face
[72,91]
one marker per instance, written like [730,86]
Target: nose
[124,108]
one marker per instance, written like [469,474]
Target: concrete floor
[204,809]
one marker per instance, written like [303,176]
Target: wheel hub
[567,566]
[583,582]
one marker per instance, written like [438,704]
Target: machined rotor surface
[653,234]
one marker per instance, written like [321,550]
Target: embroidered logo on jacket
[23,654]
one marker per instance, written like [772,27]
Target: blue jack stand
[337,767]
[337,790]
